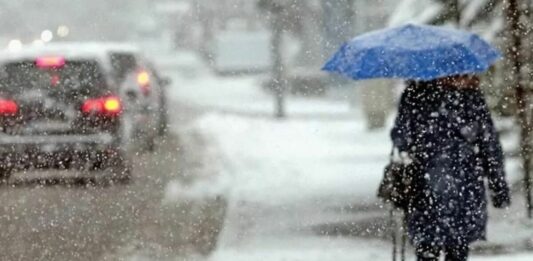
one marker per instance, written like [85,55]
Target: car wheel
[163,118]
[150,144]
[121,171]
[5,173]
[163,128]
[118,169]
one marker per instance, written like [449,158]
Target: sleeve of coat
[493,159]
[401,132]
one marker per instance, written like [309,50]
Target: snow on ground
[298,159]
[283,178]
[307,249]
[241,94]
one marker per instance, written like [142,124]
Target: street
[46,218]
[266,130]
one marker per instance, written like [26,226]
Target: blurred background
[266,157]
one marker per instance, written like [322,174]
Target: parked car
[134,69]
[61,108]
[144,106]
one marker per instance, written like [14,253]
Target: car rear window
[84,77]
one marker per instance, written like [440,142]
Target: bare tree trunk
[277,69]
[513,14]
[455,12]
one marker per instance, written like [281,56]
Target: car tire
[117,169]
[163,127]
[163,118]
[121,172]
[150,144]
[5,173]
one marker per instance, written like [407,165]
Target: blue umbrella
[418,52]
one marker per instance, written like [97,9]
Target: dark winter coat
[450,135]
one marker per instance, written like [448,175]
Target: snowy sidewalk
[295,180]
[287,180]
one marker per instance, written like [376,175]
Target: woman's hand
[501,200]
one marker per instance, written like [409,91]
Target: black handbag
[396,187]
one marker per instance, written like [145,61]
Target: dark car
[59,108]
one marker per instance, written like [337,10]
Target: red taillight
[143,79]
[107,106]
[8,107]
[112,105]
[50,62]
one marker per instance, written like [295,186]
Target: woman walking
[445,128]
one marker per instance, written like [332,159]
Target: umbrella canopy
[418,52]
